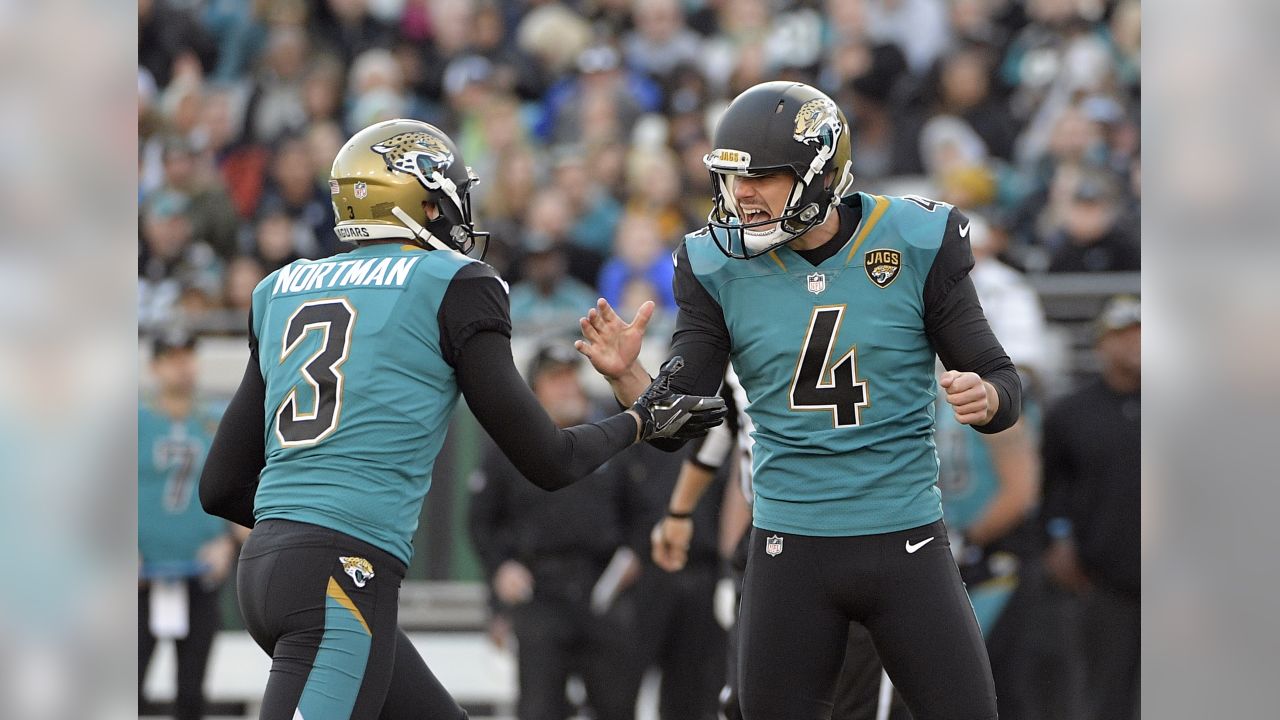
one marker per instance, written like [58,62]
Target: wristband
[679,515]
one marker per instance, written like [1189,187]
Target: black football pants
[800,594]
[331,629]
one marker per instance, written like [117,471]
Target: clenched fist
[973,400]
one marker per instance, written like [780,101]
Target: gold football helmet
[387,176]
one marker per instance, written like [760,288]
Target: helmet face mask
[384,176]
[777,127]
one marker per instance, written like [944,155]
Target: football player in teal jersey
[356,363]
[185,553]
[832,309]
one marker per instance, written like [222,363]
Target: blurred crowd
[587,122]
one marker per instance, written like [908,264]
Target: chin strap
[419,232]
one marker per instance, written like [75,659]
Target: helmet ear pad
[448,217]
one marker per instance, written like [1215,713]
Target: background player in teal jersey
[185,553]
[356,362]
[832,310]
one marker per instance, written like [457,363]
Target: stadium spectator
[964,90]
[294,190]
[277,105]
[347,29]
[654,190]
[1052,59]
[184,554]
[660,40]
[548,221]
[1091,238]
[555,35]
[595,212]
[211,212]
[169,262]
[515,71]
[322,89]
[639,253]
[918,27]
[243,274]
[599,103]
[1092,490]
[275,238]
[169,35]
[548,299]
[545,554]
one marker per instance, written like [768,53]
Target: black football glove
[680,417]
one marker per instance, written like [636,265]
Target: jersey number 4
[334,318]
[814,387]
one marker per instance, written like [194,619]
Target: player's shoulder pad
[919,220]
[443,264]
[477,270]
[700,247]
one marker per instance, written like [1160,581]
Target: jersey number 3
[334,318]
[813,387]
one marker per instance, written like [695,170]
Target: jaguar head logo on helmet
[777,127]
[405,179]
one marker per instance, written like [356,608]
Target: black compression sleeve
[238,453]
[475,301]
[701,336]
[548,456]
[958,329]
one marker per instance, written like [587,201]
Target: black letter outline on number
[336,318]
[812,388]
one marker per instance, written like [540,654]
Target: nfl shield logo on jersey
[362,190]
[817,283]
[358,568]
[773,545]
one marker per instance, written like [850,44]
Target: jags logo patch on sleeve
[360,570]
[882,266]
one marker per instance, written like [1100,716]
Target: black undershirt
[954,322]
[475,339]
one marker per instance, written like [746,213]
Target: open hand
[610,343]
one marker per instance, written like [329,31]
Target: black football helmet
[384,173]
[777,126]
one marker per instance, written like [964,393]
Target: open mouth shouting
[755,215]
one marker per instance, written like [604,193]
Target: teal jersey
[838,372]
[358,393]
[171,524]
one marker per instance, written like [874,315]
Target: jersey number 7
[814,387]
[335,318]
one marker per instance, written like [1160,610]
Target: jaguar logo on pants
[358,568]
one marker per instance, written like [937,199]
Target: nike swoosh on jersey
[964,230]
[912,548]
